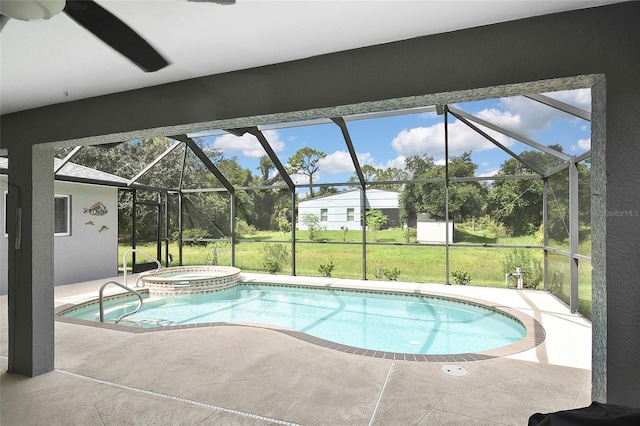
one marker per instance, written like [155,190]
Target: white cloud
[489,173]
[365,158]
[300,179]
[399,163]
[585,143]
[537,116]
[529,116]
[338,162]
[247,144]
[439,162]
[580,98]
[430,140]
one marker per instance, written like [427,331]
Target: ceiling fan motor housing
[26,10]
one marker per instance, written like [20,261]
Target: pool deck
[255,376]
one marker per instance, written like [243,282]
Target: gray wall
[527,56]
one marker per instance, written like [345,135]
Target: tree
[265,167]
[517,203]
[312,223]
[327,190]
[305,162]
[375,220]
[466,199]
[372,174]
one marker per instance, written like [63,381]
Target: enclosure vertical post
[232,202]
[363,220]
[159,228]
[573,233]
[293,233]
[545,235]
[180,220]
[446,192]
[134,229]
[166,229]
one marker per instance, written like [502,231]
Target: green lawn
[415,262]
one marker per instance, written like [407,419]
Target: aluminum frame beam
[496,143]
[205,160]
[354,158]
[561,106]
[66,159]
[267,148]
[511,134]
[153,163]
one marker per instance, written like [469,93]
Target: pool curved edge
[535,333]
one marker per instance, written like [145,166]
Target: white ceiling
[52,61]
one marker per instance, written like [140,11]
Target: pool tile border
[535,333]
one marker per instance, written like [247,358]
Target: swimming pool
[411,324]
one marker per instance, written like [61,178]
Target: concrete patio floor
[254,376]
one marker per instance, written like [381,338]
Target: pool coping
[535,333]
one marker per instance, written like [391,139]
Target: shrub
[312,223]
[532,270]
[284,225]
[410,234]
[326,268]
[275,255]
[390,274]
[243,229]
[216,247]
[375,220]
[461,277]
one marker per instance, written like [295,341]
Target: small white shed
[344,208]
[430,230]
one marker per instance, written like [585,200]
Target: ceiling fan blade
[111,30]
[222,2]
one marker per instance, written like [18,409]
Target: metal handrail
[130,290]
[124,263]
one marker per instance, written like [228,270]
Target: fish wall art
[98,209]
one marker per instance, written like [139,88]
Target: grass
[417,263]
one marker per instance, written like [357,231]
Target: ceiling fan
[97,20]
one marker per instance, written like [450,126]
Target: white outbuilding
[344,208]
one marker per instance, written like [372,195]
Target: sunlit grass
[416,262]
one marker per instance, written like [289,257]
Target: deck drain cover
[455,370]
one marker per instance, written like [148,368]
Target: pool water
[390,323]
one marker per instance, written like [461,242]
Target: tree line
[514,204]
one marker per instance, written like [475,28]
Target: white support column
[30,260]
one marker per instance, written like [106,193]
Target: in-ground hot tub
[190,280]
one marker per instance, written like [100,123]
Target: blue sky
[387,142]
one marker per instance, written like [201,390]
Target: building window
[324,215]
[62,215]
[349,215]
[62,218]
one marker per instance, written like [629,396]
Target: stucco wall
[91,251]
[88,253]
